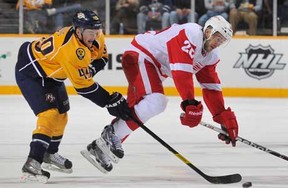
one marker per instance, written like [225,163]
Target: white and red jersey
[177,53]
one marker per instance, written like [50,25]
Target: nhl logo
[259,61]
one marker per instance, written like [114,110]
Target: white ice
[147,163]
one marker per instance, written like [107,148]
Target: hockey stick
[245,141]
[233,178]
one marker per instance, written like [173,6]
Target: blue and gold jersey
[62,56]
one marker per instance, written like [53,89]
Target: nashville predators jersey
[62,56]
[34,4]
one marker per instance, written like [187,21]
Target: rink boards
[249,66]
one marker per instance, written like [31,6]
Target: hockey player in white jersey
[179,52]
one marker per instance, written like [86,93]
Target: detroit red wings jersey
[177,53]
[176,46]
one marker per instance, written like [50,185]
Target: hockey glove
[228,122]
[117,106]
[193,112]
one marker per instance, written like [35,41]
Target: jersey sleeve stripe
[95,93]
[216,87]
[181,67]
[88,90]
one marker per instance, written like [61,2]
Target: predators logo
[49,98]
[95,18]
[80,52]
[81,15]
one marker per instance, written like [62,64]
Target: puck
[247,184]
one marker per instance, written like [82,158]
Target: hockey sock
[38,147]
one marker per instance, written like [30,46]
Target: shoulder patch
[80,52]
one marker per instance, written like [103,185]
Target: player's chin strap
[245,141]
[82,30]
[226,179]
[205,39]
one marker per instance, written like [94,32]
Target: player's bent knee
[159,101]
[152,105]
[51,123]
[61,124]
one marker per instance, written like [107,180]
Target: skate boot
[56,162]
[32,171]
[110,144]
[101,161]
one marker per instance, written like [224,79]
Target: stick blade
[233,178]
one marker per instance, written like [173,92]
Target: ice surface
[147,163]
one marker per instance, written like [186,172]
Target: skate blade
[105,149]
[51,167]
[87,155]
[27,177]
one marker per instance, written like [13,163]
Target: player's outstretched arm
[115,103]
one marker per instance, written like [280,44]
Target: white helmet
[218,23]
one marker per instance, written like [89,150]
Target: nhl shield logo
[259,61]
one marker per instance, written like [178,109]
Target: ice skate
[101,161]
[110,144]
[32,171]
[56,162]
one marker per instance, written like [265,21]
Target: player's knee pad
[152,105]
[51,123]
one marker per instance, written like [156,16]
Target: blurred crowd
[138,16]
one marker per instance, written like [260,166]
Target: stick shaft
[233,178]
[245,141]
